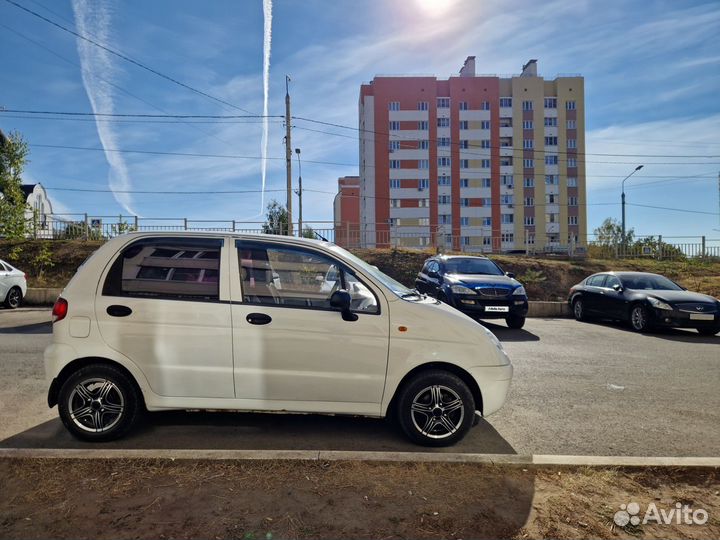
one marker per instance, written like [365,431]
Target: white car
[13,285]
[158,321]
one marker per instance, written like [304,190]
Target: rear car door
[164,303]
[592,294]
[292,350]
[5,281]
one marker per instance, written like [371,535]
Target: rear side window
[596,281]
[3,267]
[168,268]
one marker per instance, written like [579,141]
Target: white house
[38,204]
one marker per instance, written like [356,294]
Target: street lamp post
[299,194]
[623,200]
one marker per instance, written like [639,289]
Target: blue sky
[652,72]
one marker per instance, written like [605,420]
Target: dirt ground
[254,500]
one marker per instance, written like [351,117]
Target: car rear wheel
[709,331]
[13,298]
[578,307]
[99,403]
[640,318]
[435,408]
[516,322]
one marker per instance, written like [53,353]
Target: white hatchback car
[13,285]
[248,322]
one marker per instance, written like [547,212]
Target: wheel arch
[80,363]
[443,366]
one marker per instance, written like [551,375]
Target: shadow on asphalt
[35,328]
[503,333]
[257,431]
[683,335]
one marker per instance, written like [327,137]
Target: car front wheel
[99,403]
[516,322]
[435,408]
[13,298]
[640,318]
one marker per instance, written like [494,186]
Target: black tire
[421,391]
[121,394]
[14,297]
[515,321]
[640,318]
[578,307]
[708,330]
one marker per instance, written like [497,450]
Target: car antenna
[320,236]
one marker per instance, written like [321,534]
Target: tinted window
[596,281]
[611,281]
[472,266]
[650,282]
[171,268]
[3,267]
[295,277]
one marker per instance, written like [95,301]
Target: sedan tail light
[59,310]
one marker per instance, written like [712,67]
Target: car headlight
[659,304]
[520,291]
[461,289]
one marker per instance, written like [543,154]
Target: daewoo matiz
[262,323]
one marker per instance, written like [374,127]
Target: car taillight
[60,310]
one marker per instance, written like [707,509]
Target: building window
[506,199]
[464,182]
[464,163]
[464,124]
[571,143]
[463,106]
[423,164]
[394,145]
[531,238]
[486,182]
[443,180]
[487,221]
[528,163]
[485,124]
[551,179]
[570,105]
[394,125]
[551,218]
[505,102]
[507,237]
[423,183]
[464,221]
[572,220]
[423,125]
[506,180]
[572,181]
[444,161]
[551,103]
[443,102]
[527,106]
[550,141]
[550,121]
[551,160]
[394,203]
[395,184]
[423,221]
[394,105]
[485,163]
[443,122]
[487,241]
[572,162]
[464,144]
[444,141]
[444,199]
[506,218]
[571,124]
[485,106]
[423,203]
[506,161]
[528,144]
[529,182]
[485,143]
[529,201]
[394,163]
[551,198]
[527,124]
[465,240]
[529,221]
[423,145]
[422,106]
[486,201]
[572,201]
[464,201]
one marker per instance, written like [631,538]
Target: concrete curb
[341,455]
[37,296]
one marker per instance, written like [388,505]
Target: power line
[125,57]
[142,121]
[675,209]
[142,115]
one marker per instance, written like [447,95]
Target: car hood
[680,296]
[481,279]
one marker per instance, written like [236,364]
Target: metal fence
[441,237]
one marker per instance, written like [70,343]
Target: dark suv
[476,286]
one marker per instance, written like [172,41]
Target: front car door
[592,293]
[164,304]
[613,303]
[292,351]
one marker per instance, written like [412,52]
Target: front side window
[167,268]
[295,277]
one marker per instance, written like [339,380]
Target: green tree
[13,157]
[276,219]
[309,232]
[609,234]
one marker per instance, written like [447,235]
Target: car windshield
[396,287]
[472,266]
[649,282]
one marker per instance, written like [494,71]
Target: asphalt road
[579,388]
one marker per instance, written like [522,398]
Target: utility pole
[288,156]
[623,201]
[299,194]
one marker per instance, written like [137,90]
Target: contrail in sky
[93,17]
[267,41]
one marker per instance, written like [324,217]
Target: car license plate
[702,316]
[503,309]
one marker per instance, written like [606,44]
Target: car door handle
[258,318]
[118,311]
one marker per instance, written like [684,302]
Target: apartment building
[346,210]
[477,163]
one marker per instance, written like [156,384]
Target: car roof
[623,273]
[225,234]
[450,257]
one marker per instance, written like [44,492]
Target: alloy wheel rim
[14,299]
[437,411]
[638,318]
[578,309]
[96,405]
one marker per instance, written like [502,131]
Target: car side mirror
[618,288]
[341,300]
[510,274]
